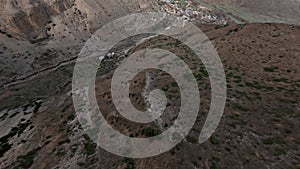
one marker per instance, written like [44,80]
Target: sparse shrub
[270,69]
[192,140]
[90,148]
[149,132]
[274,140]
[214,140]
[25,161]
[130,163]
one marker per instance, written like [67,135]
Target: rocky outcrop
[30,19]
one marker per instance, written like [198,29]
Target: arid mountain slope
[259,127]
[39,41]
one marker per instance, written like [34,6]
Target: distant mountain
[285,11]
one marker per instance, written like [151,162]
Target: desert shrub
[214,140]
[192,140]
[90,148]
[149,132]
[25,161]
[274,140]
[270,69]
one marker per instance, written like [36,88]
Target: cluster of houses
[188,10]
[191,11]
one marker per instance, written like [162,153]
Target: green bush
[270,69]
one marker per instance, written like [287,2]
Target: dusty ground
[259,128]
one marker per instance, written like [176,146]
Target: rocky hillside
[36,20]
[39,35]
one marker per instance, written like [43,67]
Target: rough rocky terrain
[39,128]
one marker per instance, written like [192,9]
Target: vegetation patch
[274,140]
[214,140]
[192,140]
[90,148]
[4,145]
[149,132]
[130,163]
[270,69]
[25,161]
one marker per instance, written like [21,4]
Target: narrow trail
[38,73]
